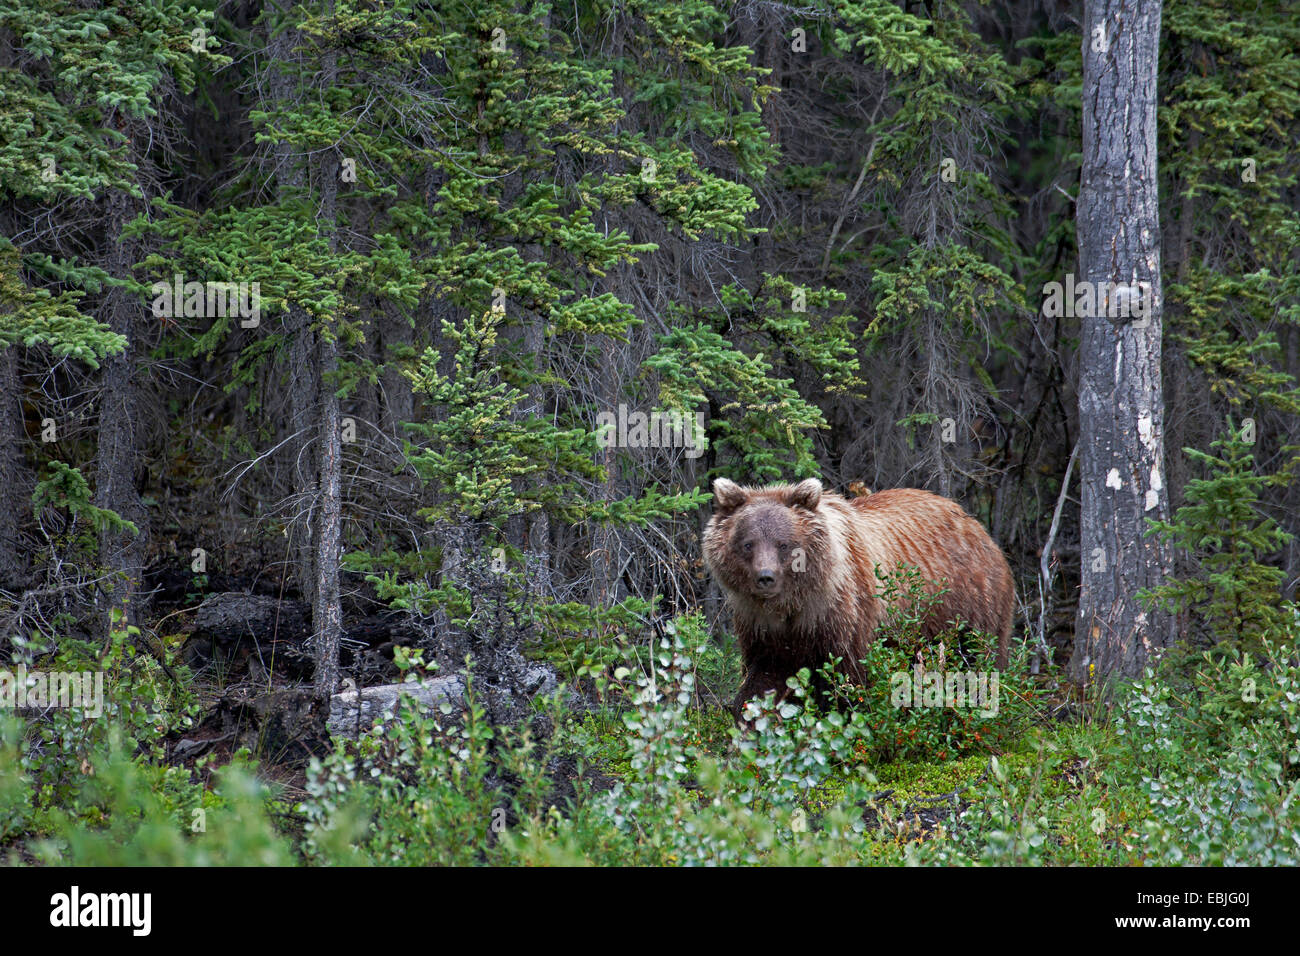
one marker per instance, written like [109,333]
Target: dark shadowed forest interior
[366,367]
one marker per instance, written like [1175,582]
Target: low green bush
[1219,759]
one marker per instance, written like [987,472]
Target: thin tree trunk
[15,477]
[327,611]
[603,539]
[537,536]
[314,404]
[301,380]
[121,552]
[303,391]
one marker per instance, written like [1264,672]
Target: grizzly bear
[798,567]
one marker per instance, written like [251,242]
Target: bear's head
[760,542]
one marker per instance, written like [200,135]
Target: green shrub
[424,788]
[901,669]
[139,700]
[1220,761]
[773,798]
[15,786]
[97,790]
[134,813]
[446,788]
[1227,538]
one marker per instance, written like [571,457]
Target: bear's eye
[748,547]
[783,547]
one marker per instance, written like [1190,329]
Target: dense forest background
[442,244]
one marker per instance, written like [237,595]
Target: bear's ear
[727,495]
[806,494]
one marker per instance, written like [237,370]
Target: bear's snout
[766,569]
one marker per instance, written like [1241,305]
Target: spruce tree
[1233,593]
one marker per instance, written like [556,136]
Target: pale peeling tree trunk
[327,612]
[1121,405]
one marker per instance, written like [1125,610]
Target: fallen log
[382,700]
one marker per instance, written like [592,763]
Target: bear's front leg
[757,684]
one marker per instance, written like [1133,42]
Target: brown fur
[787,618]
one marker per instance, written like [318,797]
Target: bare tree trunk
[537,536]
[303,390]
[1121,404]
[603,539]
[301,380]
[121,552]
[314,403]
[533,533]
[327,610]
[15,477]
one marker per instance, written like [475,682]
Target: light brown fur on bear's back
[946,544]
[819,552]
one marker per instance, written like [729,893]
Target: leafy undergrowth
[1196,764]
